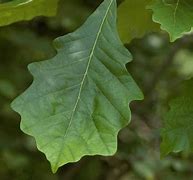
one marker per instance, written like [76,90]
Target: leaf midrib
[88,64]
[83,79]
[175,11]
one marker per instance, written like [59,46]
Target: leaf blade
[88,89]
[19,10]
[178,121]
[135,20]
[175,17]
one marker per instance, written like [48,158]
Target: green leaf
[134,20]
[19,10]
[177,134]
[175,16]
[79,99]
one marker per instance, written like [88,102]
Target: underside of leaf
[79,100]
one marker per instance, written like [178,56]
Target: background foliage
[159,67]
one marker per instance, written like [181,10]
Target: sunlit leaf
[18,10]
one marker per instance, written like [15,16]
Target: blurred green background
[158,67]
